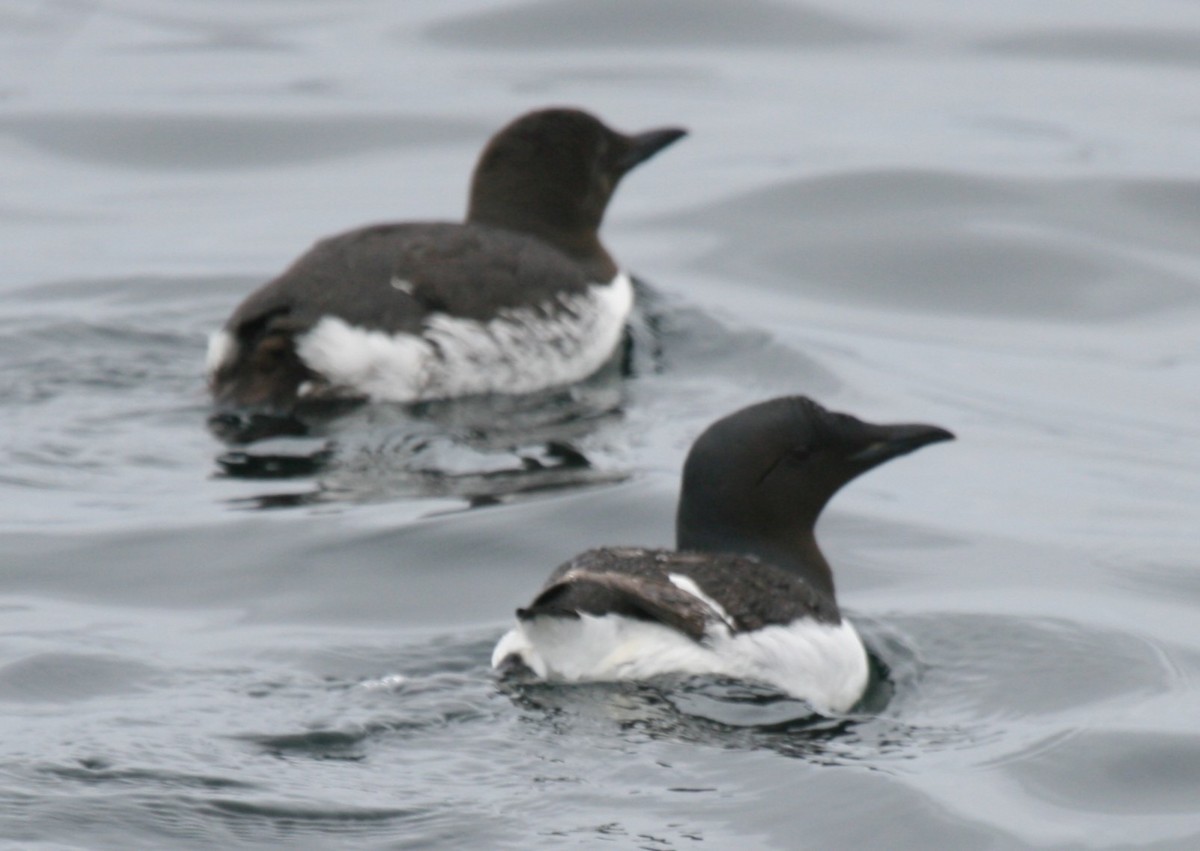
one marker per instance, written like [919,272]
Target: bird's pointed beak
[643,146]
[892,441]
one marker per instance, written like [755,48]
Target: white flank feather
[520,351]
[822,663]
[222,349]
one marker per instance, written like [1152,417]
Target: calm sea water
[979,215]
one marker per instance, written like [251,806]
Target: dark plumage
[633,582]
[530,243]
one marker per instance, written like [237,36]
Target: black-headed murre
[520,297]
[747,593]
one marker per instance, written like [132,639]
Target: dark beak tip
[662,132]
[924,435]
[645,145]
[902,440]
[942,434]
[671,135]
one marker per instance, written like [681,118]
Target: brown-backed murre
[520,297]
[747,593]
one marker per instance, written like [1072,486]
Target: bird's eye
[798,454]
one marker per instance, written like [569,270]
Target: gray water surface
[983,216]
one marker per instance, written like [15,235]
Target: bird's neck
[579,242]
[794,551]
[583,246]
[805,558]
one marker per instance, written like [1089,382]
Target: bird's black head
[551,173]
[756,481]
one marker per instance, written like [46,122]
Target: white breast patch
[520,351]
[822,663]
